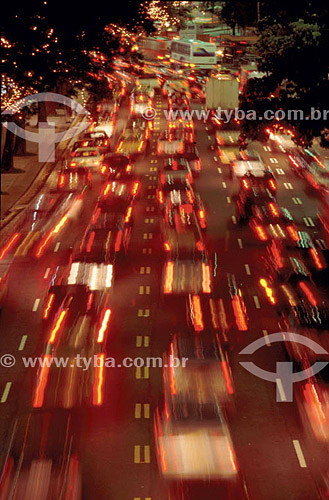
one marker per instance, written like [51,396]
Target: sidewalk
[16,181]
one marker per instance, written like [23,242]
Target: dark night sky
[73,15]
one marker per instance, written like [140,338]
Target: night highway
[135,266]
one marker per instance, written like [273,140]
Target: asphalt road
[114,442]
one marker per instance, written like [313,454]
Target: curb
[38,181]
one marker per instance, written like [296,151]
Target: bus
[193,53]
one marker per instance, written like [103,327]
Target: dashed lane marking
[145,270]
[265,333]
[22,343]
[47,273]
[143,313]
[137,454]
[36,305]
[256,300]
[138,410]
[142,372]
[297,201]
[308,221]
[299,454]
[5,392]
[247,268]
[142,341]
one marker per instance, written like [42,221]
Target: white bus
[193,53]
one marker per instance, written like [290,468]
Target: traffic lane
[21,316]
[28,282]
[264,431]
[269,323]
[128,457]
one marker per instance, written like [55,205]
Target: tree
[293,51]
[239,14]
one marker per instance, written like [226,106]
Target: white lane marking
[58,244]
[265,333]
[224,185]
[36,305]
[206,128]
[22,343]
[240,243]
[299,453]
[247,269]
[321,244]
[256,300]
[219,170]
[5,392]
[233,219]
[228,199]
[273,160]
[280,171]
[215,158]
[282,148]
[297,201]
[287,185]
[209,137]
[267,148]
[47,273]
[280,389]
[308,221]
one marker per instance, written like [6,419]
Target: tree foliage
[293,51]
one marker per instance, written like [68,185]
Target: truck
[222,92]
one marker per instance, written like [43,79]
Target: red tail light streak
[227,378]
[58,324]
[261,233]
[104,326]
[268,291]
[50,301]
[318,261]
[10,244]
[98,389]
[206,282]
[128,215]
[169,278]
[293,233]
[42,382]
[308,293]
[239,310]
[196,311]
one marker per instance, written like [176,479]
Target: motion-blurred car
[206,376]
[185,214]
[172,142]
[272,222]
[78,337]
[115,162]
[173,170]
[317,175]
[253,174]
[102,144]
[87,157]
[186,269]
[246,200]
[176,191]
[74,180]
[191,154]
[195,453]
[132,142]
